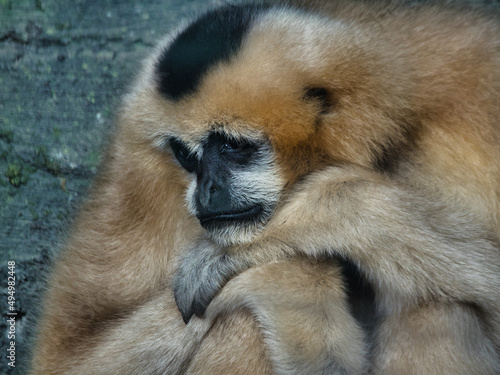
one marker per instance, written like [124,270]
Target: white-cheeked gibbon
[269,153]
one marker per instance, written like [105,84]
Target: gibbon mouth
[250,214]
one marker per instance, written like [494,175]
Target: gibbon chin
[267,151]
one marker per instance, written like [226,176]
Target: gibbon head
[251,98]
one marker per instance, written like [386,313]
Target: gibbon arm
[411,246]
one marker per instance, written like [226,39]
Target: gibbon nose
[212,196]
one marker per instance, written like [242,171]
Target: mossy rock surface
[64,66]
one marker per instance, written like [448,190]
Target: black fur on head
[214,37]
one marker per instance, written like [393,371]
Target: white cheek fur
[189,198]
[258,183]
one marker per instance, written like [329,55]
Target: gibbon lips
[250,214]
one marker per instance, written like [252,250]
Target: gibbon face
[234,187]
[247,115]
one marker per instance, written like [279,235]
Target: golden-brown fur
[414,91]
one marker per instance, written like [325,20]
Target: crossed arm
[412,246]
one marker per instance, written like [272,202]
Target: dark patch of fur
[361,296]
[322,96]
[389,155]
[213,38]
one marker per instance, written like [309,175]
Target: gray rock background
[63,67]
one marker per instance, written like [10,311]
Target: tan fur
[308,325]
[377,223]
[424,81]
[435,339]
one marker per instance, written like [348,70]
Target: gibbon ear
[322,95]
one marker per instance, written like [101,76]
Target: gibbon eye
[185,158]
[239,146]
[238,151]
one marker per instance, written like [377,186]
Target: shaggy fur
[383,121]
